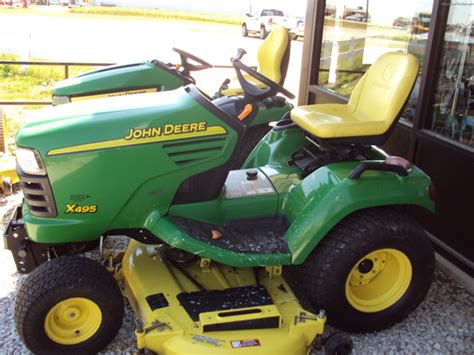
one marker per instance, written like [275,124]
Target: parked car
[13,3]
[402,22]
[262,21]
[357,17]
[296,28]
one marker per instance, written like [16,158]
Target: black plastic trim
[26,254]
[230,299]
[141,235]
[260,323]
[265,234]
[38,194]
[191,189]
[283,124]
[157,301]
[112,91]
[362,168]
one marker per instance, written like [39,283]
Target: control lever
[224,86]
[240,53]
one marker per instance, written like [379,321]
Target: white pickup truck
[262,21]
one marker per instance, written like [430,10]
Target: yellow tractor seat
[273,57]
[374,106]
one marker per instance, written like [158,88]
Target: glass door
[453,109]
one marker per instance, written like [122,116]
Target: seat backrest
[274,54]
[383,90]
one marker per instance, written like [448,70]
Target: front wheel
[370,271]
[69,304]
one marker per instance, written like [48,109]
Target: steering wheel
[254,91]
[188,67]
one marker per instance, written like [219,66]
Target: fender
[326,196]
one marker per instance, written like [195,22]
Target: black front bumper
[27,255]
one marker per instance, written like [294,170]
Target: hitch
[27,255]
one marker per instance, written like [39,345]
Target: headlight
[30,161]
[59,100]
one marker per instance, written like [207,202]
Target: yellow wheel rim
[378,280]
[72,321]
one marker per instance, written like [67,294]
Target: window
[272,13]
[357,32]
[453,109]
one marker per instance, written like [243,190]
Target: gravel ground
[443,324]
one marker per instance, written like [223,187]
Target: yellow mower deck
[153,285]
[8,176]
[8,169]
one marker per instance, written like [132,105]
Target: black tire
[245,33]
[263,32]
[253,135]
[338,344]
[326,271]
[57,281]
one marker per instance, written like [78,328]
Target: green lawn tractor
[215,253]
[154,76]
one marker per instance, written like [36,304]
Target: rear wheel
[69,304]
[263,32]
[245,32]
[370,271]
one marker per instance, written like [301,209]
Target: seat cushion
[334,121]
[374,106]
[271,61]
[271,53]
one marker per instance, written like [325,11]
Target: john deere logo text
[166,130]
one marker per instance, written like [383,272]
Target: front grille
[38,195]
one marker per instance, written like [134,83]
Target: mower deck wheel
[69,304]
[7,186]
[370,271]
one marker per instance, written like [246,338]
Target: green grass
[159,14]
[128,12]
[25,83]
[31,83]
